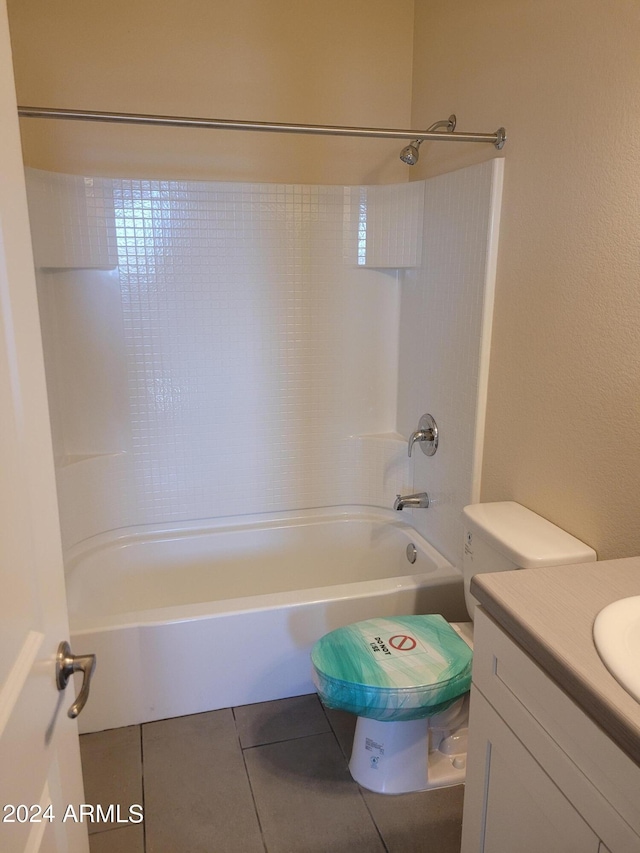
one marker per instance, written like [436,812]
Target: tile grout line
[105,831]
[144,821]
[373,820]
[287,740]
[244,764]
[333,732]
[366,804]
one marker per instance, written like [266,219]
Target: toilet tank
[506,535]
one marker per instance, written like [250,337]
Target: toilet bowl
[407,678]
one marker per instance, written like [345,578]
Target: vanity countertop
[549,612]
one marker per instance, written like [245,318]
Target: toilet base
[414,755]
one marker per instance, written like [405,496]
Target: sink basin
[616,633]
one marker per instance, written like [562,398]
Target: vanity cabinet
[542,776]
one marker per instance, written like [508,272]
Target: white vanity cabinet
[542,776]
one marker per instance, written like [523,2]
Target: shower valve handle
[426,435]
[66,665]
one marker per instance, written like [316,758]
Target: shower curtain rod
[498,138]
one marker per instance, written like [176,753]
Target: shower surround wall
[446,314]
[242,361]
[220,349]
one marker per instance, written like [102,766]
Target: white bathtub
[197,618]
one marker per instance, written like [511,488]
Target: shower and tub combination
[190,618]
[234,371]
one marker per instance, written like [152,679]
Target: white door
[39,748]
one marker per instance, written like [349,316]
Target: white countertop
[549,612]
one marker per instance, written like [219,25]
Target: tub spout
[420,500]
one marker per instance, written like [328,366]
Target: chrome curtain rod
[498,138]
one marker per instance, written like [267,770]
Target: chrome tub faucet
[419,500]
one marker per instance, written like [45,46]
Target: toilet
[408,678]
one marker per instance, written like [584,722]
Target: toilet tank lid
[524,537]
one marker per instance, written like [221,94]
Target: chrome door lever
[66,665]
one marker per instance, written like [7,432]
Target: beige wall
[315,61]
[563,430]
[563,434]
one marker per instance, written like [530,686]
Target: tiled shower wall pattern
[390,225]
[216,349]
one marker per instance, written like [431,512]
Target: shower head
[410,153]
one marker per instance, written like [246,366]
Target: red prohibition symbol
[402,642]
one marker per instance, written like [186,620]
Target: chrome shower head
[410,153]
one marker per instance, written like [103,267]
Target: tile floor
[269,777]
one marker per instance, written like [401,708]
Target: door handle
[66,665]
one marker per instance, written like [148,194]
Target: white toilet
[408,678]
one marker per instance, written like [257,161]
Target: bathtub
[196,618]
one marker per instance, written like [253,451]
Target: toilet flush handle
[426,435]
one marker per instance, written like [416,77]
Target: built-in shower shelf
[75,458]
[383,436]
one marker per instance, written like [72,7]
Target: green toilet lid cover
[398,668]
